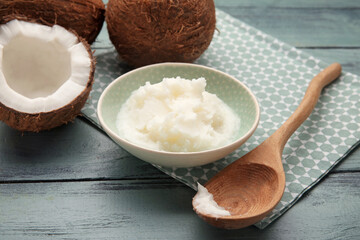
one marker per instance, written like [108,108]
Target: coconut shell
[152,31]
[47,120]
[85,17]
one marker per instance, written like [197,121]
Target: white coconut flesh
[42,68]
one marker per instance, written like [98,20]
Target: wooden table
[73,182]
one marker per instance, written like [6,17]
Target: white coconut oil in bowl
[175,137]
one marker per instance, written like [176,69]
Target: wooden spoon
[253,185]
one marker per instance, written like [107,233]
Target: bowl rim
[168,153]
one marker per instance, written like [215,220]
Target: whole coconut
[85,17]
[152,31]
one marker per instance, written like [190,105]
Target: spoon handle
[306,106]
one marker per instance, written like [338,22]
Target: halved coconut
[46,74]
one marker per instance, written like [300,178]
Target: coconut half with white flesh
[46,74]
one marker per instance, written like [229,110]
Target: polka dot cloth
[278,74]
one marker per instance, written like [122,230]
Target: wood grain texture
[162,210]
[71,152]
[75,183]
[304,23]
[349,58]
[288,4]
[252,186]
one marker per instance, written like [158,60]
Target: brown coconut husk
[152,31]
[35,122]
[85,17]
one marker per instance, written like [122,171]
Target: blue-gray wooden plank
[334,23]
[162,210]
[321,23]
[73,194]
[75,151]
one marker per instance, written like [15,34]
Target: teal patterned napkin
[278,74]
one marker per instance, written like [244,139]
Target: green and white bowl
[234,93]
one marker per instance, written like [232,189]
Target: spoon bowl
[253,185]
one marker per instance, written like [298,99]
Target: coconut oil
[177,115]
[204,203]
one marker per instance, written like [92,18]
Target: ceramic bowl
[234,93]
